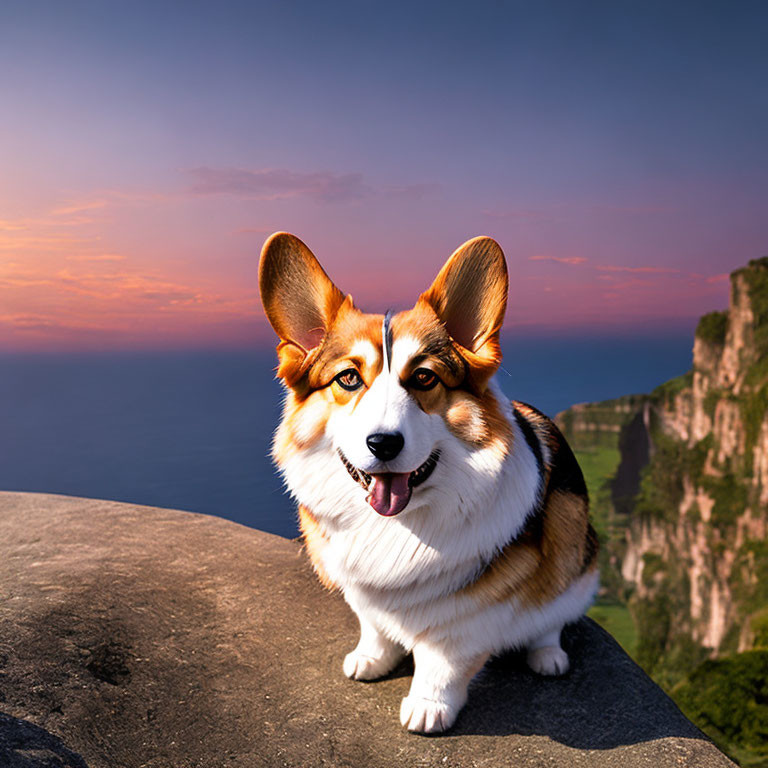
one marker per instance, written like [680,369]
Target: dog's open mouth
[390,492]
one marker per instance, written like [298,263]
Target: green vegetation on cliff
[753,406]
[661,486]
[755,275]
[712,327]
[727,698]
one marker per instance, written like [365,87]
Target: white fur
[400,575]
[403,349]
[374,656]
[365,349]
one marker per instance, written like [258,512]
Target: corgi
[453,521]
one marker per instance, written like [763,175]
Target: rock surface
[132,636]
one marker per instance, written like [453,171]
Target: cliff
[132,637]
[612,443]
[689,486]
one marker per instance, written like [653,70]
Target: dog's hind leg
[545,656]
[374,656]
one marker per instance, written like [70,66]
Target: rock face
[702,538]
[693,543]
[132,637]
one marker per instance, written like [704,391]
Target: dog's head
[388,393]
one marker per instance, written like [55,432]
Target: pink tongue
[390,492]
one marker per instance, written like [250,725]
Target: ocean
[191,430]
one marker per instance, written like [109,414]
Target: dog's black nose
[385,446]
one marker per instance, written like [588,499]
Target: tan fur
[303,422]
[548,556]
[314,543]
[478,421]
[464,418]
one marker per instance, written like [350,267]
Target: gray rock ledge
[132,636]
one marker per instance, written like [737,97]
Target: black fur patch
[566,473]
[531,439]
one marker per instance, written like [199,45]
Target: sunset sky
[616,150]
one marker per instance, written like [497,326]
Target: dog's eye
[423,378]
[349,379]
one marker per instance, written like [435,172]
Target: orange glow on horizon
[62,285]
[120,270]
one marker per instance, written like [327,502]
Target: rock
[132,636]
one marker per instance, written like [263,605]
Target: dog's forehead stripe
[386,339]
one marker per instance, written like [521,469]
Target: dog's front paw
[427,716]
[549,660]
[358,666]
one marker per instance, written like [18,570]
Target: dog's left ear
[469,295]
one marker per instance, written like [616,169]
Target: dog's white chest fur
[403,574]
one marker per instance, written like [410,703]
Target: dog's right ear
[469,295]
[299,299]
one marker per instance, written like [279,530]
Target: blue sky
[615,149]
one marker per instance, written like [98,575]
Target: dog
[453,521]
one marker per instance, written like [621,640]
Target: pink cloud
[519,213]
[634,209]
[573,260]
[22,281]
[273,184]
[253,231]
[96,257]
[411,191]
[280,183]
[632,284]
[13,226]
[640,270]
[37,243]
[87,205]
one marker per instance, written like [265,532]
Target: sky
[615,149]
